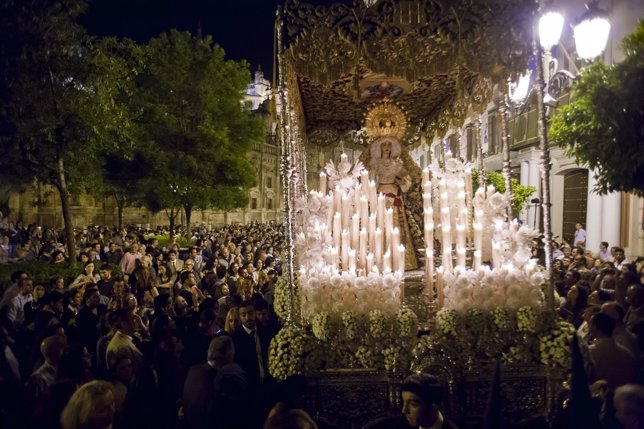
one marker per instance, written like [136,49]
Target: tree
[195,129]
[603,127]
[59,99]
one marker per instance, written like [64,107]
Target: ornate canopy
[435,58]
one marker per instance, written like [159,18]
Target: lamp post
[591,34]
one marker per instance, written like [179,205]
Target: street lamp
[591,32]
[591,35]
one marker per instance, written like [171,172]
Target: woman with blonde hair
[232,321]
[90,407]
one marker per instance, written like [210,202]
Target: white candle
[329,209]
[346,212]
[323,183]
[460,243]
[372,233]
[364,211]
[334,257]
[363,248]
[478,237]
[389,226]
[468,186]
[428,215]
[427,200]
[460,257]
[395,238]
[386,261]
[369,262]
[372,196]
[429,270]
[337,200]
[447,246]
[337,229]
[477,259]
[380,218]
[364,180]
[427,187]
[378,246]
[352,260]
[425,175]
[344,158]
[344,250]
[401,259]
[355,231]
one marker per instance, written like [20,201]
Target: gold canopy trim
[438,59]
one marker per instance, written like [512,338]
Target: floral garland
[291,352]
[526,335]
[281,299]
[555,345]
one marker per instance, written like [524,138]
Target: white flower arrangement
[526,319]
[366,357]
[446,321]
[486,289]
[321,326]
[392,357]
[281,298]
[502,318]
[350,324]
[290,353]
[377,324]
[407,323]
[554,347]
[327,290]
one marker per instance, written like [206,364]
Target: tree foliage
[603,127]
[195,131]
[59,105]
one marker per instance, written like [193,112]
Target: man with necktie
[251,354]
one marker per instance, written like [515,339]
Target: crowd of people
[145,330]
[158,336]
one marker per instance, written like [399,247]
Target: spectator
[610,361]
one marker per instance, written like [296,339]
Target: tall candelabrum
[470,224]
[363,238]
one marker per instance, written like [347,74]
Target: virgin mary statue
[394,180]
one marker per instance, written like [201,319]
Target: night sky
[244,28]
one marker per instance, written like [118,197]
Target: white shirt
[16,308]
[580,235]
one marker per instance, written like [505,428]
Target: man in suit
[422,395]
[199,387]
[175,265]
[251,345]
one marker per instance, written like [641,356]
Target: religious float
[391,269]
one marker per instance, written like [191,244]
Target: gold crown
[385,118]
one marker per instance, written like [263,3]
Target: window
[269,182]
[493,133]
[269,203]
[471,144]
[422,161]
[454,145]
[253,203]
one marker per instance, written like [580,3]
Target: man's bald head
[52,348]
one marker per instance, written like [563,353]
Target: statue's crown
[385,118]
